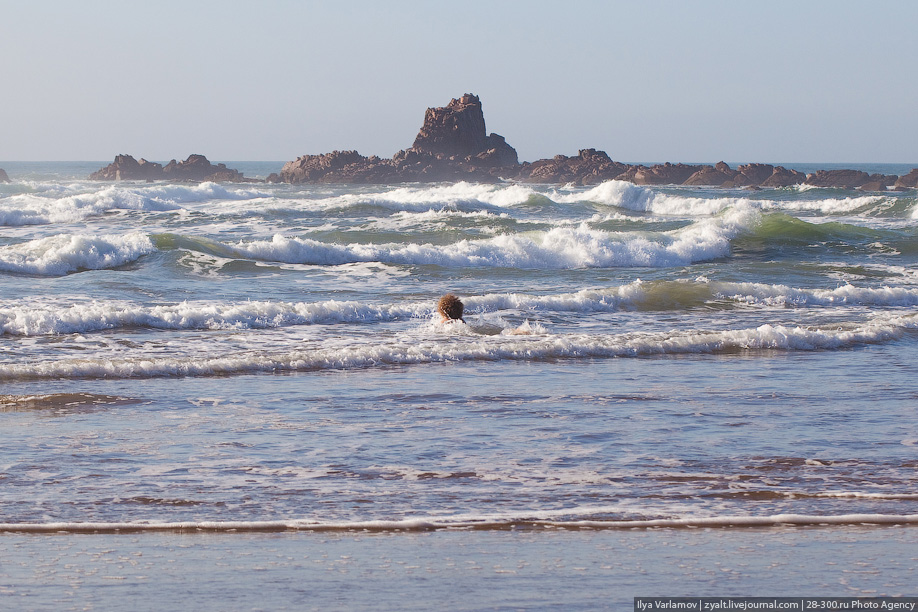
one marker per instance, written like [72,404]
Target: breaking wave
[557,248]
[476,348]
[39,209]
[566,519]
[43,319]
[39,317]
[66,253]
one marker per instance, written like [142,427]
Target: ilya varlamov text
[716,604]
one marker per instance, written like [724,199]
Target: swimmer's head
[450,307]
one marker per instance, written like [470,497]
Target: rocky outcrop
[907,181]
[745,175]
[457,131]
[753,174]
[850,179]
[783,177]
[126,168]
[659,174]
[195,168]
[198,168]
[334,167]
[719,175]
[3,177]
[451,145]
[589,167]
[847,179]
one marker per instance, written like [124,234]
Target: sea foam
[644,199]
[35,319]
[557,248]
[66,253]
[41,317]
[533,519]
[411,351]
[40,208]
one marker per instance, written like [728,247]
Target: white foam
[557,248]
[41,317]
[431,348]
[432,220]
[635,197]
[35,209]
[34,319]
[65,253]
[448,195]
[781,295]
[828,206]
[645,199]
[420,198]
[483,521]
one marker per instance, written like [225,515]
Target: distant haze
[777,81]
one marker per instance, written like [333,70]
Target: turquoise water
[195,371]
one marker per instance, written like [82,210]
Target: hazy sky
[691,81]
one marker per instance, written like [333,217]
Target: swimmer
[450,308]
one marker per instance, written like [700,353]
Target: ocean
[240,396]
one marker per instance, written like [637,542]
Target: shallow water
[451,570]
[177,357]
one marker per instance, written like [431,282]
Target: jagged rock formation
[198,168]
[745,175]
[195,168]
[454,145]
[908,181]
[451,145]
[850,179]
[659,174]
[588,168]
[3,177]
[126,168]
[783,177]
[457,130]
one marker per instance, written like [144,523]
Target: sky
[649,81]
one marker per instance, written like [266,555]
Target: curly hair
[450,307]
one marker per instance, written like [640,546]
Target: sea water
[210,388]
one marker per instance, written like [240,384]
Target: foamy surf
[523,520]
[43,317]
[558,248]
[473,347]
[47,208]
[66,253]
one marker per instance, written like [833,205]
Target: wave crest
[66,253]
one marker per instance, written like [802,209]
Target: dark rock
[499,153]
[660,174]
[589,167]
[198,168]
[908,181]
[458,130]
[753,174]
[335,167]
[719,175]
[783,177]
[3,176]
[452,145]
[845,179]
[878,182]
[195,168]
[126,168]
